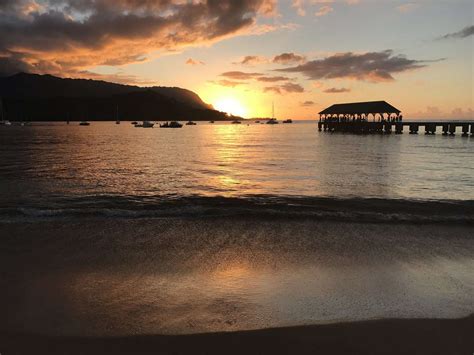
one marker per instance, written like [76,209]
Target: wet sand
[419,336]
[235,285]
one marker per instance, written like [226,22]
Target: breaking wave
[339,209]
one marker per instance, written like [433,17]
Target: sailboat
[3,121]
[273,119]
[117,121]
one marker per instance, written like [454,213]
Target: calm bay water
[239,227]
[46,162]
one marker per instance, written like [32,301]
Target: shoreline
[386,336]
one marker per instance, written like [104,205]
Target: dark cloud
[73,35]
[285,88]
[372,66]
[308,103]
[289,58]
[239,75]
[465,32]
[251,60]
[336,90]
[272,79]
[291,87]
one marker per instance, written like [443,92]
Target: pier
[383,118]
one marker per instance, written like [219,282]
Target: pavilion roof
[360,108]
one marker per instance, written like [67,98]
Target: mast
[273,110]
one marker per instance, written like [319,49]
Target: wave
[323,208]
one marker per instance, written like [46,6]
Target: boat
[145,124]
[172,124]
[134,123]
[257,121]
[289,120]
[273,119]
[190,123]
[117,121]
[3,121]
[84,123]
[236,122]
[211,121]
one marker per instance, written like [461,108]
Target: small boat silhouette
[145,124]
[172,124]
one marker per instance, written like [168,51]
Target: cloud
[272,79]
[371,66]
[229,83]
[239,75]
[299,6]
[408,7]
[308,103]
[70,36]
[336,90]
[289,58]
[460,113]
[324,10]
[192,61]
[285,88]
[251,60]
[291,87]
[465,32]
[436,112]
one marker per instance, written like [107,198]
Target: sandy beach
[111,278]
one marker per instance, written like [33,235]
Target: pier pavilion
[381,117]
[361,112]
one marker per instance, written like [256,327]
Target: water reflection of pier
[381,117]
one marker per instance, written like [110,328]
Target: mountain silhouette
[36,97]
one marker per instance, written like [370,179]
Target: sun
[230,106]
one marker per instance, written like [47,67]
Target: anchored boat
[172,124]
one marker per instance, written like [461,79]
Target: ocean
[115,230]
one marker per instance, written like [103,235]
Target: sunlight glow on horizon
[231,106]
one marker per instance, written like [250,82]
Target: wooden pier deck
[466,128]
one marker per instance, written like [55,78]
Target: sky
[243,56]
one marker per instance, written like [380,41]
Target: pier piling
[465,130]
[452,129]
[398,128]
[445,129]
[413,128]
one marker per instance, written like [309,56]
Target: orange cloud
[88,33]
[192,61]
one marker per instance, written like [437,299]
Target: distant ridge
[46,97]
